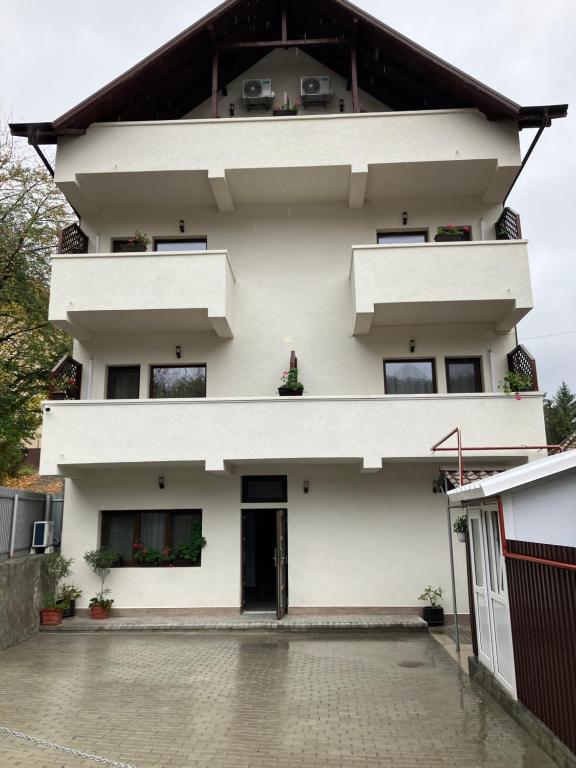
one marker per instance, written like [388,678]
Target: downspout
[545,123]
[452,569]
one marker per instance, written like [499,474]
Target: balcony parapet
[216,433]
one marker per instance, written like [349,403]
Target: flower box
[289,392]
[285,112]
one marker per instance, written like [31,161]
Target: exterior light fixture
[232,109]
[305,486]
[181,225]
[404,217]
[161,482]
[178,352]
[412,345]
[341,105]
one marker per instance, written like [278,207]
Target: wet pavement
[163,700]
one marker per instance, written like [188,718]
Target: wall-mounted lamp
[181,225]
[178,352]
[341,105]
[231,110]
[161,482]
[404,217]
[47,409]
[305,486]
[412,345]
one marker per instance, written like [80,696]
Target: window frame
[430,360]
[125,367]
[381,232]
[245,499]
[168,531]
[478,378]
[178,365]
[164,240]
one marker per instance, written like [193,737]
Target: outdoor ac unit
[258,92]
[42,536]
[316,89]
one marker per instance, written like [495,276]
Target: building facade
[329,192]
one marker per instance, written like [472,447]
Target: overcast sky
[53,55]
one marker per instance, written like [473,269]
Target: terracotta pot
[51,617]
[99,613]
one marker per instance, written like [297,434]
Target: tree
[560,415]
[32,211]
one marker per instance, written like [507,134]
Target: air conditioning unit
[42,537]
[258,93]
[316,90]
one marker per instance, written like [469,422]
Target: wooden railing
[508,226]
[65,380]
[521,361]
[73,240]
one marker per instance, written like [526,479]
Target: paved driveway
[251,701]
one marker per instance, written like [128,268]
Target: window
[157,530]
[264,488]
[390,238]
[409,377]
[178,381]
[464,374]
[123,382]
[194,244]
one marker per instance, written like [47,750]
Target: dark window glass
[463,374]
[123,382]
[389,238]
[409,377]
[264,488]
[197,244]
[153,529]
[178,381]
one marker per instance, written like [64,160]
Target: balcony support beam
[221,190]
[371,464]
[217,467]
[358,182]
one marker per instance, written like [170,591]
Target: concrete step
[244,622]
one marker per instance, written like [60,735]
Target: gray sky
[53,55]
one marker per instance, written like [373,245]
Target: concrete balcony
[217,433]
[342,157]
[93,293]
[481,281]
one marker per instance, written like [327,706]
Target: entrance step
[244,622]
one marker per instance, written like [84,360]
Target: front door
[264,561]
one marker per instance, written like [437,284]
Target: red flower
[135,546]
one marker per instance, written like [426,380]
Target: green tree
[32,211]
[560,415]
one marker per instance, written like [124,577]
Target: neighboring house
[323,231]
[569,443]
[522,528]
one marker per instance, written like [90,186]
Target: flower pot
[51,617]
[284,113]
[134,248]
[148,565]
[461,536]
[184,562]
[57,394]
[456,237]
[70,612]
[98,612]
[434,617]
[289,392]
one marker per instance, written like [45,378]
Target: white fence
[19,510]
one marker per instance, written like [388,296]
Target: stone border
[527,720]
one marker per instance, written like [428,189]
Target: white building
[311,231]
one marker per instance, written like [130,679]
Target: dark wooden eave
[181,74]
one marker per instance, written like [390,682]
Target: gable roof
[178,76]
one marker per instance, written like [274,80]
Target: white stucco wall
[353,541]
[544,513]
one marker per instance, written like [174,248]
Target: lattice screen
[508,225]
[73,240]
[66,380]
[521,361]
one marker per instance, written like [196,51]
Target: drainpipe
[452,574]
[90,377]
[491,364]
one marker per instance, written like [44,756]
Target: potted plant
[100,562]
[67,597]
[433,614]
[460,527]
[452,233]
[514,383]
[167,557]
[146,556]
[56,568]
[291,387]
[188,553]
[286,109]
[137,243]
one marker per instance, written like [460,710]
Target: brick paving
[170,700]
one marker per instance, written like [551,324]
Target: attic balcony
[349,158]
[217,433]
[151,291]
[410,284]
